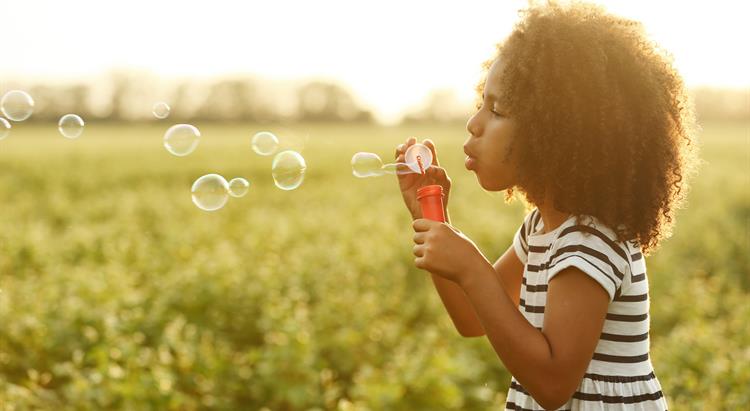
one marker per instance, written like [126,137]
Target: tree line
[129,96]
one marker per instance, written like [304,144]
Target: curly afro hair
[605,127]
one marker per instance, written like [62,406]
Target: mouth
[470,162]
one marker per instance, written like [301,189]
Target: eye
[497,111]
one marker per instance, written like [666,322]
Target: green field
[118,293]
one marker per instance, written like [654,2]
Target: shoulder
[588,235]
[591,246]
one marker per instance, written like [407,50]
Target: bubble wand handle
[431,201]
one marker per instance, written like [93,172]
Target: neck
[551,217]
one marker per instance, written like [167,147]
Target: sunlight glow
[390,53]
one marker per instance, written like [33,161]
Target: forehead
[492,83]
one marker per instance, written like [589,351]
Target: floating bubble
[181,139]
[238,187]
[17,105]
[265,143]
[397,168]
[70,126]
[4,128]
[161,110]
[418,157]
[366,165]
[288,170]
[210,192]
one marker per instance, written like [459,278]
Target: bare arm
[549,363]
[508,270]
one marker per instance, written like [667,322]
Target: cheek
[498,173]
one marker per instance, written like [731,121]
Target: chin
[491,185]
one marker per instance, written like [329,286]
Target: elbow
[468,332]
[553,399]
[471,333]
[551,404]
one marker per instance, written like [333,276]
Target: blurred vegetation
[124,95]
[128,95]
[118,293]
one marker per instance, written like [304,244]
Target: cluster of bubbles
[212,191]
[417,159]
[17,106]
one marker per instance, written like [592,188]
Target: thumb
[431,146]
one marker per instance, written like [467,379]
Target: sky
[391,54]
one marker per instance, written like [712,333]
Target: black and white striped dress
[620,375]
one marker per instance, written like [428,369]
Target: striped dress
[620,375]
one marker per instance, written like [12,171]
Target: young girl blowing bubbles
[588,119]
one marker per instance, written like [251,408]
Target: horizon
[388,72]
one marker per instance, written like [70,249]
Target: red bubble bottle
[431,200]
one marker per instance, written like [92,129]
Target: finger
[400,149]
[435,171]
[431,146]
[419,238]
[419,263]
[423,224]
[410,142]
[418,250]
[437,174]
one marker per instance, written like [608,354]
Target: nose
[473,126]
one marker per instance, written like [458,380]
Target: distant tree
[323,101]
[231,99]
[53,101]
[721,104]
[440,106]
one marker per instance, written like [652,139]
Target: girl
[587,118]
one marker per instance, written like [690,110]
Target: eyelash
[495,113]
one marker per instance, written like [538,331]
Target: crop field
[116,292]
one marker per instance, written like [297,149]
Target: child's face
[490,133]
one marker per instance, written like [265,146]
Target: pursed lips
[470,159]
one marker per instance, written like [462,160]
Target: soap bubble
[4,128]
[181,139]
[70,126]
[161,110]
[366,165]
[397,168]
[265,143]
[210,192]
[288,170]
[238,187]
[17,105]
[416,154]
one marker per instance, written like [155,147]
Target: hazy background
[331,60]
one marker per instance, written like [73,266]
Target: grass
[118,293]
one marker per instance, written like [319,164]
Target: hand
[443,250]
[410,182]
